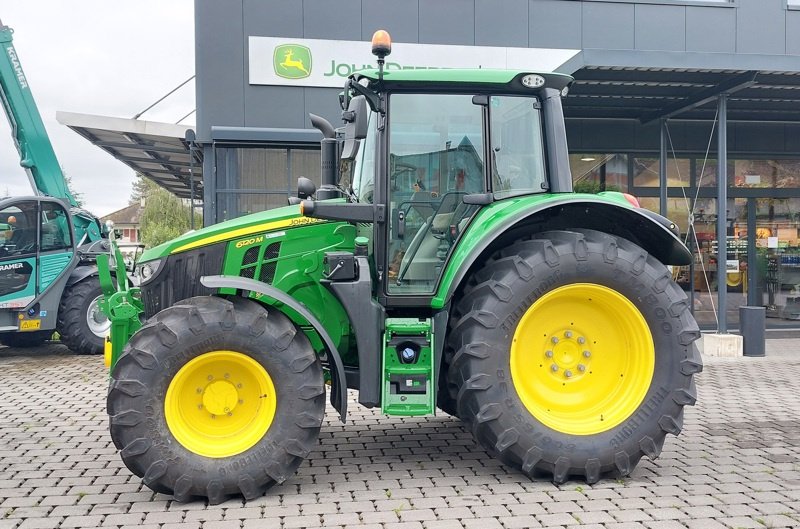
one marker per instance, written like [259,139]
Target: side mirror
[305,188]
[356,119]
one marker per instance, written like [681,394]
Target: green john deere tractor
[443,262]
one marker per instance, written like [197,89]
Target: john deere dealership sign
[312,62]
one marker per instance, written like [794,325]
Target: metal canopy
[158,151]
[646,94]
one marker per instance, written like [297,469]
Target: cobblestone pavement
[737,464]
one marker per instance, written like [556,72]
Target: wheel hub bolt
[210,377]
[567,373]
[239,385]
[227,375]
[581,368]
[213,416]
[241,401]
[581,340]
[568,334]
[587,354]
[199,390]
[554,339]
[554,368]
[199,406]
[549,354]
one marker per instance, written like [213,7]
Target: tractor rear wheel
[572,354]
[216,397]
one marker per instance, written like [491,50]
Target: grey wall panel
[219,65]
[554,24]
[273,19]
[605,135]
[323,102]
[608,26]
[791,140]
[501,23]
[274,106]
[646,137]
[660,27]
[447,21]
[793,32]
[324,19]
[761,26]
[697,138]
[710,29]
[399,17]
[757,137]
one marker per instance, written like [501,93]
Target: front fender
[497,225]
[80,273]
[339,389]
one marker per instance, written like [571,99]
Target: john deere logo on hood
[292,61]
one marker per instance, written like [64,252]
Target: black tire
[145,370]
[25,339]
[488,312]
[78,302]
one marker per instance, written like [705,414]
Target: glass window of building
[593,172]
[646,171]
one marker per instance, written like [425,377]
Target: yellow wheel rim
[582,359]
[220,404]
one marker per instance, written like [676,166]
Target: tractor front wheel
[216,397]
[572,354]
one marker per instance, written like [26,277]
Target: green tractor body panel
[279,247]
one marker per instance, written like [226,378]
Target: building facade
[649,74]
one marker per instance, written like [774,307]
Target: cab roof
[449,78]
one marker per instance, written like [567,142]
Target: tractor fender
[655,234]
[80,273]
[339,389]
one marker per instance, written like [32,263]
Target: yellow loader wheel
[571,354]
[216,397]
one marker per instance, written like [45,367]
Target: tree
[164,216]
[140,187]
[76,195]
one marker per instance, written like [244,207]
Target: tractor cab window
[516,146]
[364,167]
[436,156]
[55,234]
[18,229]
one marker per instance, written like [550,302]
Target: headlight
[148,270]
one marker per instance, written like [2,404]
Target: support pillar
[662,171]
[722,214]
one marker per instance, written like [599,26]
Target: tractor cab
[424,150]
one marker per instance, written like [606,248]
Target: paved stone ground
[736,465]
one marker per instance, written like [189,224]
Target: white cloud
[98,57]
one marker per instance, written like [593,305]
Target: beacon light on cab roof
[381,43]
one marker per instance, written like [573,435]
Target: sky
[111,58]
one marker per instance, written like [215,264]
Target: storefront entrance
[763,218]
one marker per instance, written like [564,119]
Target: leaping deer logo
[292,61]
[288,62]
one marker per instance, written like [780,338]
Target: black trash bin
[752,325]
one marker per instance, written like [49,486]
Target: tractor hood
[254,224]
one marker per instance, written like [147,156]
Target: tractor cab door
[436,156]
[35,248]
